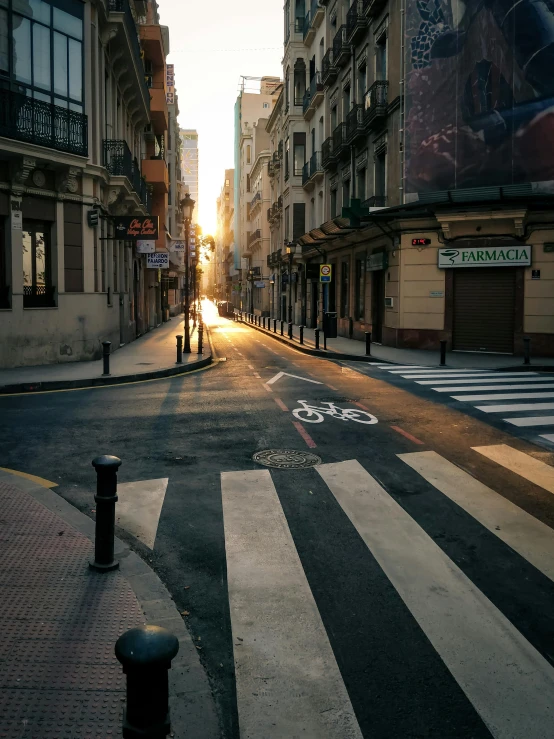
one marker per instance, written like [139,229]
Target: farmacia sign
[501,256]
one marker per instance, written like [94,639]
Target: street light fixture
[290,248]
[187,206]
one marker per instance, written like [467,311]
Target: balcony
[340,141]
[372,8]
[270,168]
[313,170]
[341,49]
[274,258]
[44,124]
[299,25]
[355,128]
[155,173]
[276,161]
[317,13]
[329,71]
[313,96]
[376,99]
[119,162]
[256,200]
[327,153]
[377,201]
[356,22]
[158,108]
[152,42]
[254,237]
[125,39]
[280,203]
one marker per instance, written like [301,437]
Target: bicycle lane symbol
[316,414]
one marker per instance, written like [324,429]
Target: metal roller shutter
[484,304]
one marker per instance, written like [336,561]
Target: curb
[372,358]
[35,387]
[193,711]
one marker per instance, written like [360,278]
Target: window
[362,82]
[381,57]
[227,183]
[286,223]
[248,154]
[333,203]
[37,288]
[345,102]
[47,53]
[248,183]
[346,194]
[265,105]
[381,174]
[360,288]
[287,158]
[334,117]
[287,89]
[299,81]
[344,290]
[299,152]
[360,184]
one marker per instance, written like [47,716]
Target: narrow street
[401,587]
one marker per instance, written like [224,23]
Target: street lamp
[290,249]
[187,206]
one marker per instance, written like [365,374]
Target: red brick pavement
[59,622]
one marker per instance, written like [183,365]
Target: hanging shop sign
[259,283]
[325,272]
[158,260]
[178,246]
[377,261]
[500,256]
[146,247]
[135,228]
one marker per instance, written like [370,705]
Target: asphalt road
[427,612]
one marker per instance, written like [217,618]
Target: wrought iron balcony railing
[356,22]
[340,141]
[36,122]
[355,123]
[327,155]
[254,236]
[328,69]
[376,99]
[315,164]
[341,49]
[376,201]
[119,162]
[316,86]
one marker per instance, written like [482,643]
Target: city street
[399,584]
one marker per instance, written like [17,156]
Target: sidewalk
[345,348]
[152,355]
[60,620]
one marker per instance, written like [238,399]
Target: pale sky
[213,43]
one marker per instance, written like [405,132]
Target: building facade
[224,255]
[83,142]
[190,163]
[434,229]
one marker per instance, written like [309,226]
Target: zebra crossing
[483,389]
[292,678]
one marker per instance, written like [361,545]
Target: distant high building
[189,164]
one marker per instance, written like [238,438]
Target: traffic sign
[325,273]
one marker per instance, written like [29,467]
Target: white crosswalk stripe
[286,672]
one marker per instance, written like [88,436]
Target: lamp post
[187,206]
[290,248]
[250,278]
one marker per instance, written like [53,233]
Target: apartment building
[83,143]
[255,101]
[190,163]
[224,253]
[174,280]
[421,189]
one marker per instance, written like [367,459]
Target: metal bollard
[106,348]
[263,321]
[146,654]
[301,334]
[179,350]
[282,327]
[443,352]
[106,468]
[274,325]
[526,350]
[290,329]
[368,343]
[200,338]
[316,335]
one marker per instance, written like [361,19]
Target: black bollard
[526,350]
[106,468]
[443,352]
[106,347]
[179,350]
[146,654]
[290,329]
[368,343]
[263,321]
[200,338]
[282,327]
[316,334]
[274,325]
[301,334]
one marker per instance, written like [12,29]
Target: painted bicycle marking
[316,414]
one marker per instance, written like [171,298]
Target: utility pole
[187,204]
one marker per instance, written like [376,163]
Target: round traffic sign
[325,269]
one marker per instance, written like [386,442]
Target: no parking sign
[325,273]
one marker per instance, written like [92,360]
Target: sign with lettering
[178,246]
[146,247]
[499,256]
[158,260]
[135,228]
[377,261]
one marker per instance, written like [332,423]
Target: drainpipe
[402,90]
[352,147]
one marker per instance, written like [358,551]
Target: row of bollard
[145,653]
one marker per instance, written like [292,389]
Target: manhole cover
[287,459]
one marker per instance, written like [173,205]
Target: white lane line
[402,367]
[504,396]
[509,378]
[461,388]
[288,681]
[434,372]
[508,682]
[521,531]
[530,421]
[548,437]
[522,464]
[513,407]
[446,376]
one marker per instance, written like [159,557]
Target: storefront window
[344,290]
[37,287]
[360,288]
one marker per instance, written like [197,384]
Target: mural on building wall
[479,94]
